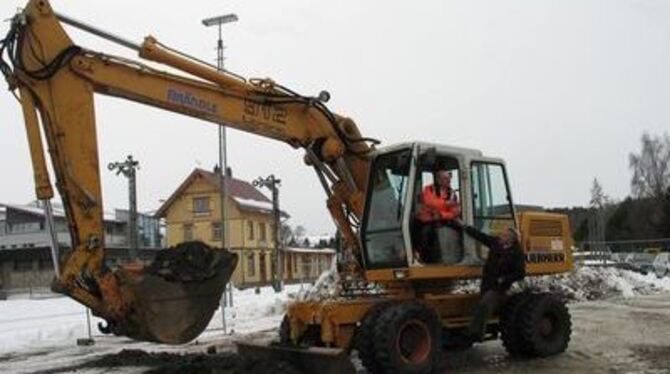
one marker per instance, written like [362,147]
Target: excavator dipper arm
[57,80]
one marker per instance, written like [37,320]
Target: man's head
[444,178]
[509,236]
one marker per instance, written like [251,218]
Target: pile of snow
[327,286]
[593,283]
[587,283]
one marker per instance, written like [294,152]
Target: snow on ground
[588,283]
[595,283]
[30,323]
[48,328]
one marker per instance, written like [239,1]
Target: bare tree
[598,197]
[597,217]
[651,167]
[299,231]
[285,234]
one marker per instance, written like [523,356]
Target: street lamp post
[273,183]
[219,21]
[128,168]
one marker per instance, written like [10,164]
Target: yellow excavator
[398,309]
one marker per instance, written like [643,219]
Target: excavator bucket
[259,358]
[173,299]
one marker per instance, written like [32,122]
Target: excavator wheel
[365,342]
[408,339]
[511,336]
[545,325]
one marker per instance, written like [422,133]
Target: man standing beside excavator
[504,265]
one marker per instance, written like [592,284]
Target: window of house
[24,227]
[46,264]
[188,232]
[250,230]
[217,231]
[262,235]
[251,265]
[23,265]
[201,206]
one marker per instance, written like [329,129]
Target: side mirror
[428,158]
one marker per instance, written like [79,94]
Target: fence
[629,246]
[637,255]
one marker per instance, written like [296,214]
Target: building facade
[193,213]
[23,226]
[25,257]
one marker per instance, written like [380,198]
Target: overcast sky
[562,90]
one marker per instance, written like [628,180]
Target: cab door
[492,206]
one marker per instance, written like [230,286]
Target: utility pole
[128,169]
[219,21]
[273,183]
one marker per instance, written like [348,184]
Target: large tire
[510,323]
[365,341]
[408,339]
[545,326]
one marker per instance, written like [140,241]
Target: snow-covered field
[31,324]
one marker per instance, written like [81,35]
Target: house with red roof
[193,212]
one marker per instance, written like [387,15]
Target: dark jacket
[503,267]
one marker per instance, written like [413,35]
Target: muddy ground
[613,336]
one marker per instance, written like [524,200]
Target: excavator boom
[57,79]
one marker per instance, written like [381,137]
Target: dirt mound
[187,262]
[162,362]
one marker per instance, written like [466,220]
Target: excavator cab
[392,234]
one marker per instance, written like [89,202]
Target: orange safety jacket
[437,206]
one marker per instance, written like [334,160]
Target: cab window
[382,224]
[492,204]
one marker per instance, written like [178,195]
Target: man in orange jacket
[439,204]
